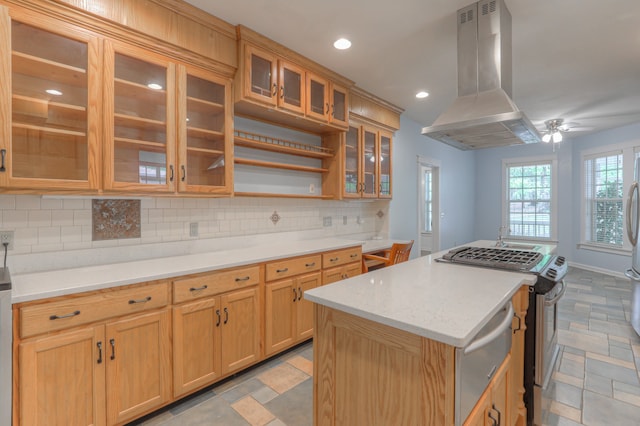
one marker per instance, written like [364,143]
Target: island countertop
[445,302]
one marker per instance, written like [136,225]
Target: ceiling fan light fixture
[546,137]
[553,131]
[557,137]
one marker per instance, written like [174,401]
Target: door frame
[433,164]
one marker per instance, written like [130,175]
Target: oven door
[547,333]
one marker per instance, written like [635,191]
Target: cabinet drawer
[290,267]
[214,283]
[341,257]
[77,310]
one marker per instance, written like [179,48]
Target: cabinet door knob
[3,153]
[99,344]
[112,342]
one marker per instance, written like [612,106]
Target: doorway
[428,205]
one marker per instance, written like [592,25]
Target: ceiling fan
[555,127]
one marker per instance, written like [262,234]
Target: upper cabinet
[276,84]
[165,125]
[50,138]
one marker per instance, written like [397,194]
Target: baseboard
[616,274]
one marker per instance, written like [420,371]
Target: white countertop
[39,285]
[444,302]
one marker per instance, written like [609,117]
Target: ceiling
[572,59]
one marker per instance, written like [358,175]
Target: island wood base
[373,374]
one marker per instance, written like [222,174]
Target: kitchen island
[385,342]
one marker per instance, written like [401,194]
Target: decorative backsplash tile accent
[275,217]
[115,219]
[380,214]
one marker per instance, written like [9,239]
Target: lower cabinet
[341,273]
[66,378]
[493,408]
[288,316]
[214,336]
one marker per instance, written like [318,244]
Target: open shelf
[266,143]
[274,165]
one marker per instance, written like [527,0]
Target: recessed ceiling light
[342,44]
[422,95]
[54,92]
[154,86]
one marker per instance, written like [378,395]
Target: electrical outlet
[344,220]
[312,188]
[326,221]
[193,229]
[7,237]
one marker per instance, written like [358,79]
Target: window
[529,210]
[604,186]
[428,201]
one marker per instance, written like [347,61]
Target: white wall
[457,198]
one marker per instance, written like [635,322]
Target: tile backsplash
[54,224]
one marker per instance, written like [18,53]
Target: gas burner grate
[518,260]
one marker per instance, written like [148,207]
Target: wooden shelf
[273,195]
[129,89]
[200,105]
[196,131]
[156,146]
[273,165]
[47,129]
[205,151]
[27,105]
[138,122]
[266,143]
[48,70]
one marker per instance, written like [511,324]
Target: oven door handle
[557,296]
[493,334]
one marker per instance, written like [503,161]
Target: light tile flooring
[596,380]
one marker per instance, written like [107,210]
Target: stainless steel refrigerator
[633,215]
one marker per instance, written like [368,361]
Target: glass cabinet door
[291,90]
[141,97]
[352,184]
[317,97]
[339,106]
[261,82]
[53,124]
[385,166]
[369,162]
[203,132]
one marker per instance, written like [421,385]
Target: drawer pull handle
[354,255]
[243,279]
[99,344]
[299,293]
[134,301]
[295,295]
[72,314]
[309,265]
[112,342]
[204,287]
[282,270]
[226,315]
[335,259]
[218,314]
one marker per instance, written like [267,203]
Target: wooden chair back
[399,253]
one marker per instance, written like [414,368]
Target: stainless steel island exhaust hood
[483,115]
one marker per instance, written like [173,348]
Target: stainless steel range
[541,335]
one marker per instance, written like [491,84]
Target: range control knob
[560,260]
[552,273]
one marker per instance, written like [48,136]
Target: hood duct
[483,115]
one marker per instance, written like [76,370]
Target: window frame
[629,153]
[553,207]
